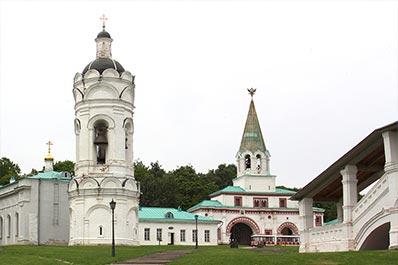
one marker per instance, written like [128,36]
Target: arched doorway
[379,238]
[241,233]
[287,231]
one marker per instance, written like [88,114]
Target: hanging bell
[100,136]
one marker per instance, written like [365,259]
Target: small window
[268,232]
[182,235]
[159,234]
[282,202]
[169,215]
[101,231]
[146,234]
[256,203]
[194,235]
[318,220]
[238,201]
[264,203]
[207,235]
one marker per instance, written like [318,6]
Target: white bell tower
[104,104]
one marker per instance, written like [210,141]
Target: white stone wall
[175,228]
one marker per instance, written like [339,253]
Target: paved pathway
[156,259]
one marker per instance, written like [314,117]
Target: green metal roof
[252,139]
[333,222]
[50,175]
[178,215]
[237,189]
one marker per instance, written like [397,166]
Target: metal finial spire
[252,91]
[49,146]
[104,19]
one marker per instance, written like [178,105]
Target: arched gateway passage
[240,229]
[241,233]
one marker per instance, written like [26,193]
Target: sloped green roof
[252,139]
[49,175]
[237,189]
[178,215]
[333,222]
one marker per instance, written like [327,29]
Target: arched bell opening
[101,140]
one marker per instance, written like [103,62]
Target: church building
[254,210]
[33,210]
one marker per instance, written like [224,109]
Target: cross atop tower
[252,91]
[49,146]
[104,19]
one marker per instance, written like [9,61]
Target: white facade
[177,233]
[104,104]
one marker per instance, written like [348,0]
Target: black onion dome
[101,64]
[104,34]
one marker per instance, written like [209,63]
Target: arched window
[1,227]
[247,162]
[128,140]
[101,140]
[17,224]
[8,225]
[169,215]
[258,162]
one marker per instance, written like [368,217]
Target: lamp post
[113,206]
[196,238]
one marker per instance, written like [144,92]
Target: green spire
[252,139]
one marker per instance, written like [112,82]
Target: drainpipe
[38,212]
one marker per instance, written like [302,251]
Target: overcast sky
[325,73]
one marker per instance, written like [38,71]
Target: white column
[390,139]
[306,213]
[350,193]
[306,223]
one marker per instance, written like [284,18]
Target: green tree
[8,169]
[223,175]
[66,165]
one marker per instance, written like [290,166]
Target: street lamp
[113,206]
[196,238]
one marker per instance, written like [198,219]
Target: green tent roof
[252,139]
[169,215]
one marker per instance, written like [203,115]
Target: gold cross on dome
[252,91]
[49,146]
[104,19]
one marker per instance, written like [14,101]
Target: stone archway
[287,228]
[240,229]
[241,233]
[378,239]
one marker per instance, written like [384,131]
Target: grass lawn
[32,255]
